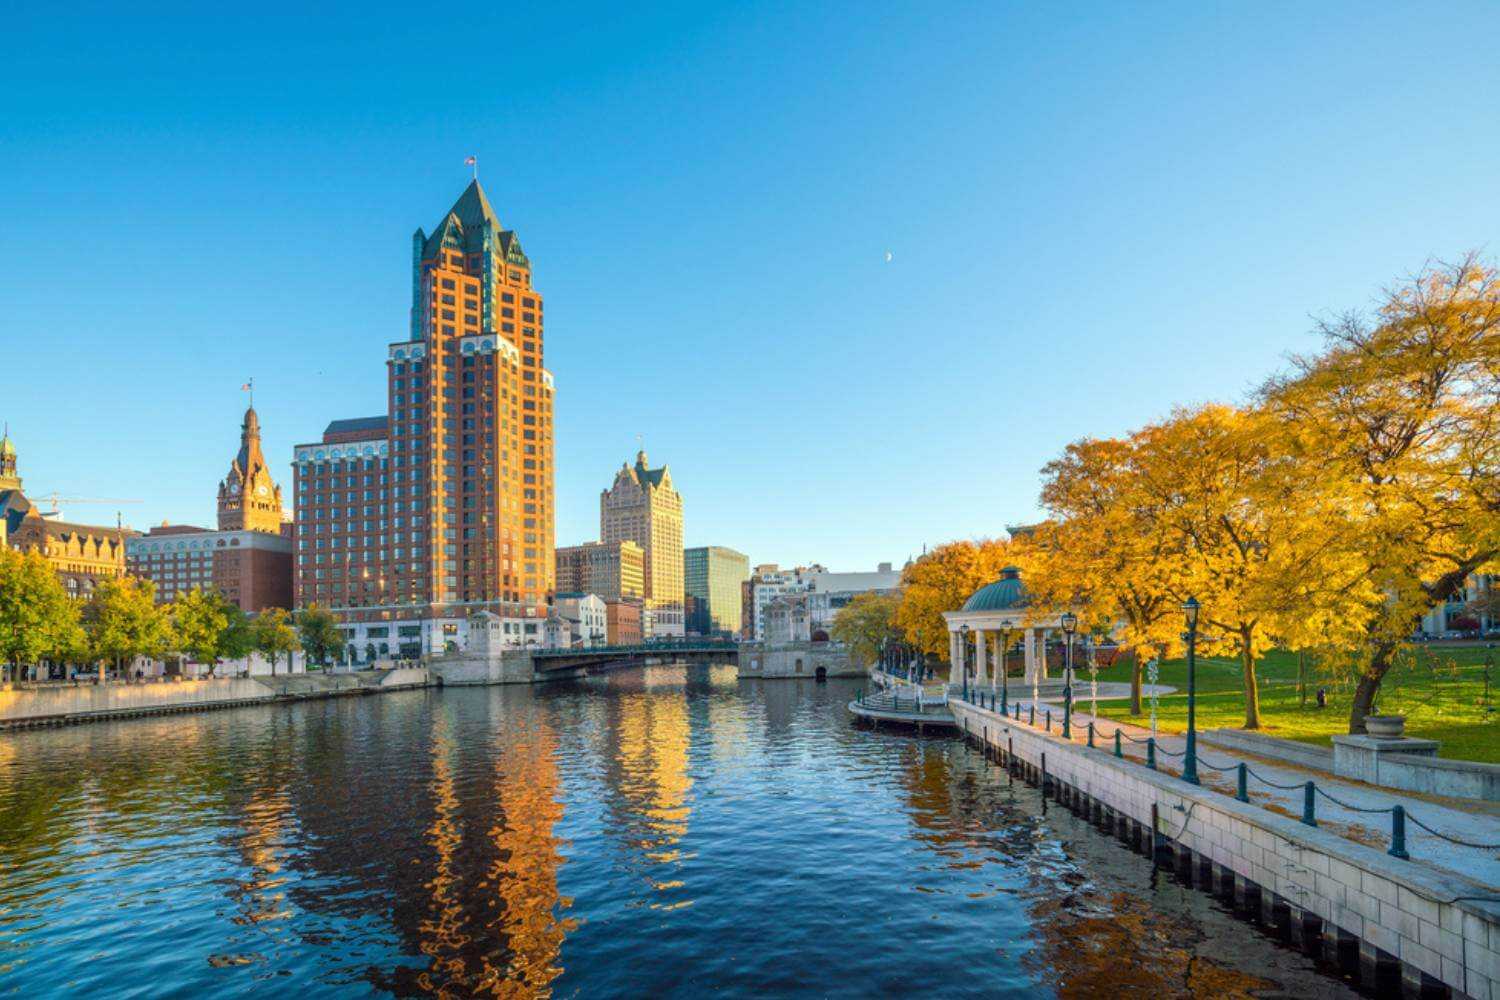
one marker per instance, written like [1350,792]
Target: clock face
[234,487]
[261,490]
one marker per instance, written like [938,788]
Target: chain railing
[1243,774]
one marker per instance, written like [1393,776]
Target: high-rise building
[613,570]
[712,576]
[443,506]
[642,507]
[248,560]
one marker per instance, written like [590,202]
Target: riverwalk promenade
[1402,888]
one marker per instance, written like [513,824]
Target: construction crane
[56,499]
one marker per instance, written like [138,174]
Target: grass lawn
[1440,690]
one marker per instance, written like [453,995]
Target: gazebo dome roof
[1002,595]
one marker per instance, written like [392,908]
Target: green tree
[123,621]
[274,635]
[200,618]
[319,632]
[37,618]
[942,580]
[238,640]
[866,623]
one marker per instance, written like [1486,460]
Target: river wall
[1405,925]
[61,704]
[796,659]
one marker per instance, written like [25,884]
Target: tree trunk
[273,664]
[1252,692]
[1135,682]
[1301,679]
[1381,660]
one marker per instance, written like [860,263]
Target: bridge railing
[645,648]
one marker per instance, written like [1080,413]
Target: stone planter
[1385,727]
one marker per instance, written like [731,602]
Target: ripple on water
[669,832]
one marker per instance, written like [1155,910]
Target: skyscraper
[443,506]
[711,581]
[641,506]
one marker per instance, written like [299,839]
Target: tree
[319,633]
[273,635]
[1402,409]
[199,619]
[1260,539]
[1107,553]
[122,621]
[238,640]
[37,618]
[866,623]
[942,580]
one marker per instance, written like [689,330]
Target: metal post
[1049,720]
[1190,757]
[1091,732]
[1068,690]
[1118,752]
[1033,713]
[1242,790]
[1309,794]
[1398,834]
[1151,752]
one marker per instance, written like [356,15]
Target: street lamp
[1069,622]
[1190,757]
[963,655]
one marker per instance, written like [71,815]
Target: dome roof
[1002,595]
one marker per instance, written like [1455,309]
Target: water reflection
[664,832]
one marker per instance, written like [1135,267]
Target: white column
[955,660]
[981,671]
[1028,654]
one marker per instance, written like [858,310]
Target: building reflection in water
[493,924]
[652,784]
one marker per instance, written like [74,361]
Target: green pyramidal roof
[473,208]
[468,223]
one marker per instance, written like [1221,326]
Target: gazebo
[995,610]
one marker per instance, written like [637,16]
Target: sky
[856,272]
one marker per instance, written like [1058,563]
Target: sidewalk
[1468,820]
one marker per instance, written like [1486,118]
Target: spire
[473,209]
[250,454]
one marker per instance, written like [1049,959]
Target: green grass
[1440,690]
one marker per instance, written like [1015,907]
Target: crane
[55,498]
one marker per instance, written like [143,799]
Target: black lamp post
[1190,757]
[1069,622]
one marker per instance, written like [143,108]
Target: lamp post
[1190,757]
[963,655]
[1069,622]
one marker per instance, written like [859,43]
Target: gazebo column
[1028,653]
[981,667]
[955,658]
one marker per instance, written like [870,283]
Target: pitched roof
[353,424]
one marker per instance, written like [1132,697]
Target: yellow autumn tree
[1107,553]
[1401,410]
[1261,542]
[942,580]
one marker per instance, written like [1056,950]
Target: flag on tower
[246,387]
[470,161]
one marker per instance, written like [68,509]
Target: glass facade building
[712,576]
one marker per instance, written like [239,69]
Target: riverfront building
[641,506]
[248,559]
[443,506]
[712,575]
[827,593]
[765,585]
[613,570]
[81,554]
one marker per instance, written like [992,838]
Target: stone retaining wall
[64,703]
[1397,920]
[797,659]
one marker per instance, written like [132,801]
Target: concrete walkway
[1472,821]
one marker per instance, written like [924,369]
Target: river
[666,832]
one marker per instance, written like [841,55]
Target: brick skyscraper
[444,506]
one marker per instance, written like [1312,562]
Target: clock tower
[248,499]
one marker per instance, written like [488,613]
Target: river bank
[27,706]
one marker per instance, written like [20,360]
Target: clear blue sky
[1092,216]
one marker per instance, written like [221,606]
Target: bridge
[601,659]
